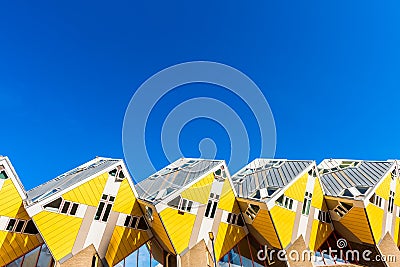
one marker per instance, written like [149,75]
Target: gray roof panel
[365,173]
[264,173]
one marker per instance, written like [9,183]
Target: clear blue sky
[330,71]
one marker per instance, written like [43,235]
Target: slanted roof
[69,179]
[351,178]
[264,177]
[173,177]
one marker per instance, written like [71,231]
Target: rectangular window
[306,204]
[323,216]
[101,213]
[134,222]
[107,213]
[376,200]
[212,206]
[19,227]
[65,207]
[391,202]
[127,221]
[252,211]
[11,224]
[185,205]
[74,209]
[285,202]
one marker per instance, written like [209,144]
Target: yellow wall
[227,199]
[228,236]
[356,221]
[124,242]
[179,227]
[13,245]
[320,231]
[200,191]
[59,231]
[125,201]
[11,202]
[384,188]
[298,188]
[319,234]
[263,225]
[375,216]
[284,223]
[88,193]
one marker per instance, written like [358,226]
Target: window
[376,200]
[19,226]
[74,209]
[3,174]
[252,211]
[285,202]
[235,219]
[30,228]
[184,204]
[391,202]
[149,213]
[212,205]
[64,207]
[323,216]
[306,204]
[104,209]
[11,224]
[54,205]
[342,208]
[135,222]
[142,225]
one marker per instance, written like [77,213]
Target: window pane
[127,221]
[213,210]
[104,197]
[31,258]
[3,175]
[240,221]
[229,218]
[45,257]
[107,213]
[10,225]
[208,208]
[30,228]
[74,209]
[112,199]
[184,201]
[99,211]
[15,263]
[65,207]
[189,206]
[54,205]
[142,224]
[19,227]
[134,221]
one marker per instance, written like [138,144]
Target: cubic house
[272,212]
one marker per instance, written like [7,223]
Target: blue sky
[329,70]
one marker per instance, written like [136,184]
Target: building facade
[194,213]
